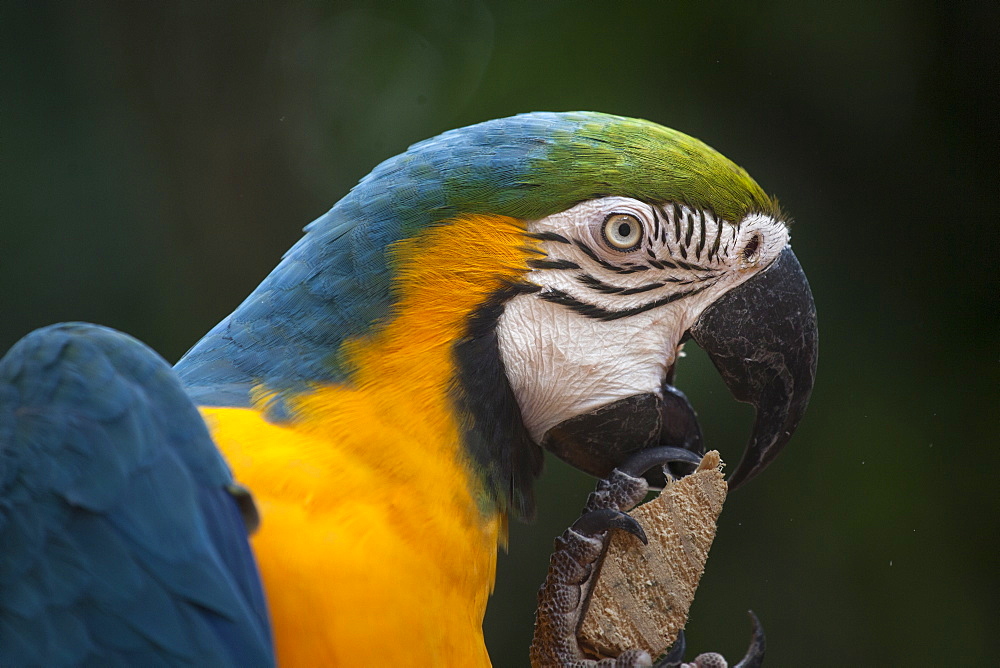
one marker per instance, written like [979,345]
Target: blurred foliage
[157,159]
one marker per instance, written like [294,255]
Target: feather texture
[360,393]
[120,544]
[336,283]
[370,490]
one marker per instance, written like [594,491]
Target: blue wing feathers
[335,283]
[120,544]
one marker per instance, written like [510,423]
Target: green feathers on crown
[649,162]
[537,164]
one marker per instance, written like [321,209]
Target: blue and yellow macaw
[385,394]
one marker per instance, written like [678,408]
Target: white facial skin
[606,323]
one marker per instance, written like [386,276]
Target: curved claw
[643,460]
[563,598]
[675,656]
[754,658]
[598,441]
[598,521]
[680,429]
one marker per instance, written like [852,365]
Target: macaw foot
[752,659]
[563,598]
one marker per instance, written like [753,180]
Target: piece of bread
[643,593]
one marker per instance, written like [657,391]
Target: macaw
[386,394]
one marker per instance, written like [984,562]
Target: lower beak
[598,441]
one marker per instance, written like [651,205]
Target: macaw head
[624,283]
[648,238]
[594,246]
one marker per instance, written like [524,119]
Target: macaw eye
[622,231]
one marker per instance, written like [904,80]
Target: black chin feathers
[504,456]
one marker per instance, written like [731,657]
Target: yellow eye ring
[622,231]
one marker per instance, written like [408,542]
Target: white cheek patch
[605,325]
[561,364]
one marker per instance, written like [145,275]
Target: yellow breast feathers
[372,541]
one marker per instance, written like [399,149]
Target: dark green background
[158,159]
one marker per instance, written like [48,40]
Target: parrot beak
[598,441]
[762,337]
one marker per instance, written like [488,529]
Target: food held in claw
[643,593]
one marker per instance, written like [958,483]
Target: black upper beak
[762,337]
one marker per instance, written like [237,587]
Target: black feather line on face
[630,269]
[633,268]
[718,239]
[595,257]
[548,236]
[677,215]
[701,238]
[664,241]
[504,456]
[600,313]
[656,223]
[688,266]
[552,264]
[608,289]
